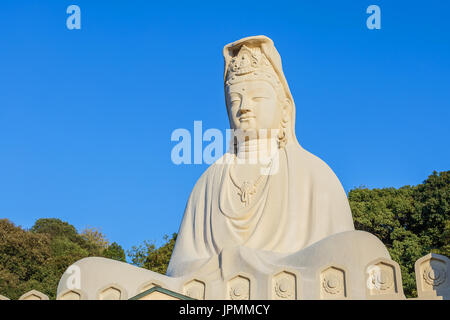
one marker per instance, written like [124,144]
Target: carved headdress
[256,58]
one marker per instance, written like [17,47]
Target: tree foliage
[115,251]
[96,240]
[37,258]
[149,257]
[411,221]
[22,260]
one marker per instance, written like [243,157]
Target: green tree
[115,251]
[410,221]
[445,239]
[149,257]
[432,209]
[66,245]
[37,258]
[23,256]
[95,240]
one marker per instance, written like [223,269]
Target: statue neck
[257,149]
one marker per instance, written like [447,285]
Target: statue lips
[246,117]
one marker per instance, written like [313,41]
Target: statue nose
[244,110]
[245,107]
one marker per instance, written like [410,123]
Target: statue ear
[287,108]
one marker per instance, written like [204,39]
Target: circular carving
[284,288]
[239,292]
[382,280]
[434,276]
[332,284]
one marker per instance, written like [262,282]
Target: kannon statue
[234,203]
[267,220]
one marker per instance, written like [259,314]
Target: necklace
[248,188]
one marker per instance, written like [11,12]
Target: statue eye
[235,100]
[258,99]
[235,103]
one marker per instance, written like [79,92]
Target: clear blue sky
[86,115]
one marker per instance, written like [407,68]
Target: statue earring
[282,139]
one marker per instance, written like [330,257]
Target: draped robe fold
[301,204]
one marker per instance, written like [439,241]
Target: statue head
[256,92]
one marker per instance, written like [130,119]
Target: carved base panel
[330,269]
[433,277]
[327,282]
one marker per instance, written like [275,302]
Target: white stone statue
[302,203]
[279,227]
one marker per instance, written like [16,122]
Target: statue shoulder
[213,172]
[315,166]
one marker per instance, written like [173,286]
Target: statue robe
[301,204]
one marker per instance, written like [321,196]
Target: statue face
[253,105]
